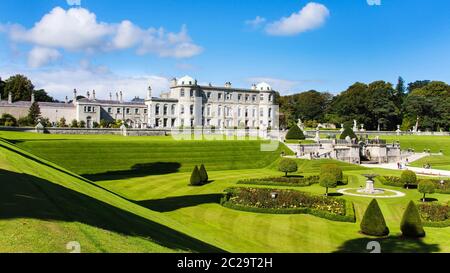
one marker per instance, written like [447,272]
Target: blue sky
[327,47]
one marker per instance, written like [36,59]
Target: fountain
[370,189]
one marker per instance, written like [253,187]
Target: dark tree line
[21,88]
[377,105]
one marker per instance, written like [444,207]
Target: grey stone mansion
[186,104]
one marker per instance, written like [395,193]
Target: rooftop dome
[263,87]
[186,80]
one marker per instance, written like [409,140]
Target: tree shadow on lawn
[178,202]
[27,196]
[390,244]
[137,170]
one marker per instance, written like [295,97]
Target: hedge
[282,181]
[395,181]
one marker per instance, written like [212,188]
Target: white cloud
[40,56]
[311,16]
[61,82]
[256,22]
[74,2]
[77,29]
[374,2]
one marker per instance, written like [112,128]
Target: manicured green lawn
[161,212]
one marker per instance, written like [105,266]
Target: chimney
[9,98]
[253,86]
[93,94]
[228,84]
[149,93]
[32,96]
[173,82]
[88,95]
[74,95]
[117,96]
[66,100]
[121,96]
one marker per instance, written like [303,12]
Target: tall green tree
[42,95]
[2,87]
[20,87]
[417,84]
[34,113]
[399,93]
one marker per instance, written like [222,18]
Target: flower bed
[395,182]
[282,181]
[288,202]
[435,214]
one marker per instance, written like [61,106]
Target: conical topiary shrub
[348,131]
[203,174]
[195,177]
[295,133]
[373,222]
[411,225]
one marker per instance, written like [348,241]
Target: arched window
[157,109]
[270,112]
[172,110]
[165,109]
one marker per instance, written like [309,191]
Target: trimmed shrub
[373,222]
[434,212]
[327,180]
[348,131]
[411,225]
[283,181]
[287,165]
[8,120]
[74,123]
[426,186]
[203,174]
[195,177]
[332,169]
[295,133]
[24,121]
[408,178]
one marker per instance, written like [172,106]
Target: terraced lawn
[160,212]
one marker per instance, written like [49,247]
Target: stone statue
[300,125]
[362,128]
[355,126]
[342,127]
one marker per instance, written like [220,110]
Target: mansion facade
[186,104]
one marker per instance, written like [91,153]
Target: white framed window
[182,92]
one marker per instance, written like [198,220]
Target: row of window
[228,111]
[171,122]
[228,96]
[128,111]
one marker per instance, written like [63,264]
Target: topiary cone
[195,177]
[373,222]
[411,225]
[203,174]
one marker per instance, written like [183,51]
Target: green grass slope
[43,207]
[114,157]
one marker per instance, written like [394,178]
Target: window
[239,96]
[253,98]
[192,93]
[219,96]
[136,111]
[253,112]
[246,112]
[261,97]
[208,110]
[128,111]
[110,110]
[182,83]
[89,109]
[219,110]
[157,109]
[228,97]
[246,97]
[192,109]
[261,112]
[182,110]
[145,110]
[182,92]
[208,95]
[270,97]
[172,110]
[165,110]
[239,112]
[118,111]
[270,113]
[190,83]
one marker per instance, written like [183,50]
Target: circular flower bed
[277,201]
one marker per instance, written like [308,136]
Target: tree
[287,165]
[20,88]
[34,113]
[426,186]
[41,95]
[327,180]
[195,177]
[8,120]
[74,123]
[82,124]
[332,169]
[62,122]
[295,133]
[203,174]
[373,222]
[399,93]
[348,131]
[408,178]
[411,224]
[2,87]
[417,84]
